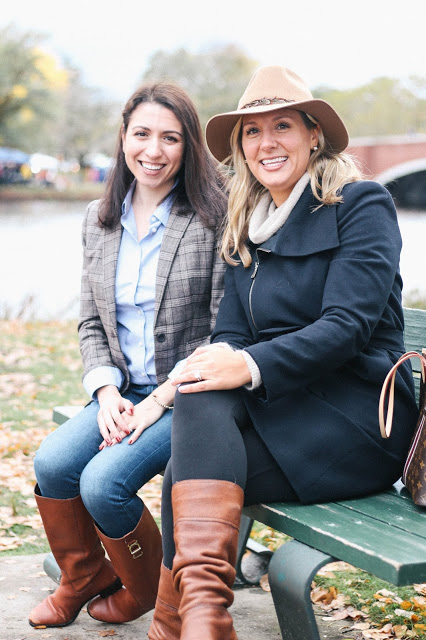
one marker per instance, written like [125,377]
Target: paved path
[23,584]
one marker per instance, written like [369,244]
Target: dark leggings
[213,438]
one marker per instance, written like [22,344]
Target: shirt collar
[162,211]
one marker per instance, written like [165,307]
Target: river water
[41,258]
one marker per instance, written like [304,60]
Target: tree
[45,106]
[215,80]
[384,106]
[85,121]
[29,82]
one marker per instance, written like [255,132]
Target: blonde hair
[328,171]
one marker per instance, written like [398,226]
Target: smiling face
[277,146]
[153,146]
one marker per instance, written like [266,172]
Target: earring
[315,148]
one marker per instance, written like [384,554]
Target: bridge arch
[407,183]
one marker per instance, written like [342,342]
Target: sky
[328,42]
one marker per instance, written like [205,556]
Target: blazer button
[161,337]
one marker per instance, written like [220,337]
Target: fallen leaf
[328,569]
[384,595]
[318,594]
[420,588]
[361,625]
[399,630]
[340,614]
[406,614]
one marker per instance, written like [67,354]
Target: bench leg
[245,529]
[291,571]
[51,568]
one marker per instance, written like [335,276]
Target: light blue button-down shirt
[135,299]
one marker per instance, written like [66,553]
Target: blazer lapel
[111,246]
[173,233]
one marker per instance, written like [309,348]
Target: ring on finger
[197,375]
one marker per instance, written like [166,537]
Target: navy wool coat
[319,310]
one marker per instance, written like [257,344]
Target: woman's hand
[144,415]
[218,367]
[112,412]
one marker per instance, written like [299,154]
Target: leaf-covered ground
[40,367]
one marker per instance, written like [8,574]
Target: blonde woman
[283,406]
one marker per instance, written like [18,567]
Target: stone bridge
[399,162]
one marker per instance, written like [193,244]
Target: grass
[401,609]
[40,366]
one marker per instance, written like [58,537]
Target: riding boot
[136,557]
[85,572]
[166,624]
[206,516]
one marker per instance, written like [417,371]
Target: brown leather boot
[137,559]
[206,516]
[166,624]
[85,570]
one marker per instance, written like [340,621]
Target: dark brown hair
[199,186]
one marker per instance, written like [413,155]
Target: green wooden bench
[384,534]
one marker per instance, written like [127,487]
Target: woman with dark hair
[151,285]
[283,406]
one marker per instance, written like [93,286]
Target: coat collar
[307,230]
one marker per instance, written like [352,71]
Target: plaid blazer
[189,286]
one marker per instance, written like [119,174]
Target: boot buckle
[135,549]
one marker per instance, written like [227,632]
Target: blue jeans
[69,463]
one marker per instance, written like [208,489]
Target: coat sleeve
[358,286]
[94,345]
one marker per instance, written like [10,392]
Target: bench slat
[359,539]
[396,508]
[62,414]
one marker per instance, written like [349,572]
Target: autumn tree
[29,83]
[45,105]
[215,79]
[86,122]
[384,106]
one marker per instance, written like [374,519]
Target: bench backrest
[415,338]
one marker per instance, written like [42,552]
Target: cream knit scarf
[266,218]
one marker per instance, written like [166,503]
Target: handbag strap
[388,388]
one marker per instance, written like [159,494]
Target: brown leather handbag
[414,474]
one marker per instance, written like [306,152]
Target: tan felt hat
[270,88]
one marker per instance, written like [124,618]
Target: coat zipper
[253,278]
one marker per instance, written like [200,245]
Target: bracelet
[165,406]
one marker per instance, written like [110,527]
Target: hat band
[265,101]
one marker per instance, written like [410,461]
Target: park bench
[384,534]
